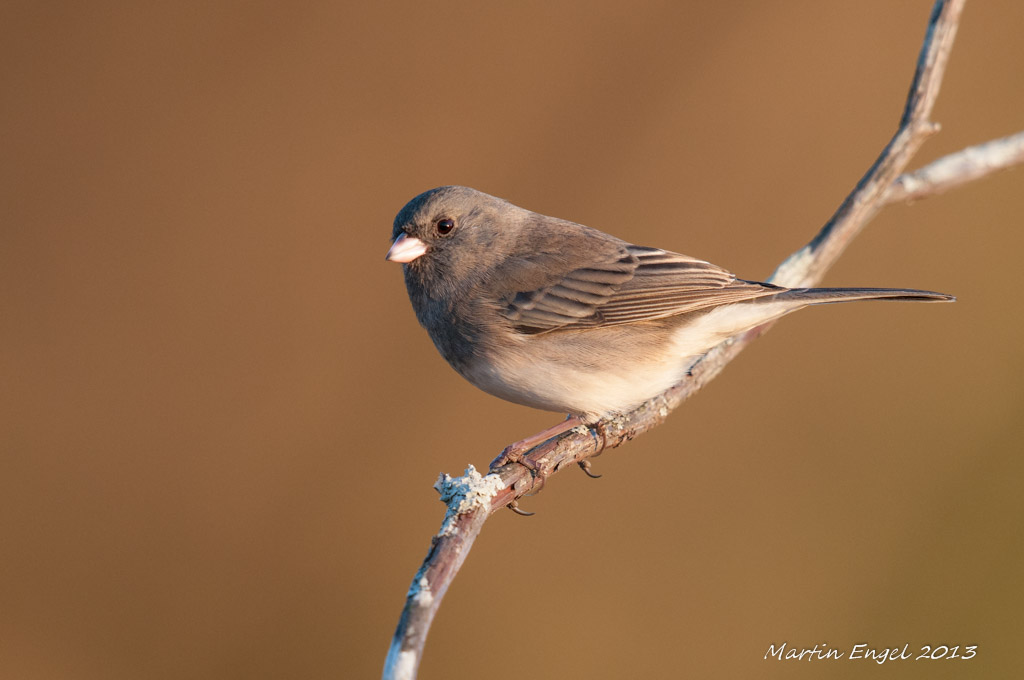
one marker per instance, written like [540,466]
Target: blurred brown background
[221,422]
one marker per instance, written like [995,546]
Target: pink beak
[406,249]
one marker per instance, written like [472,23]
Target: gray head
[447,216]
[452,234]
[420,216]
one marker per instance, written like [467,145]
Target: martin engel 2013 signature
[864,651]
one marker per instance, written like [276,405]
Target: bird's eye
[445,225]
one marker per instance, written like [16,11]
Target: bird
[558,316]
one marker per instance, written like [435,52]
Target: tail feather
[818,296]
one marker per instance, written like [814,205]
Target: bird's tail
[819,296]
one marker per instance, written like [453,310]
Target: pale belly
[593,373]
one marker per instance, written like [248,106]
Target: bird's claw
[585,466]
[514,507]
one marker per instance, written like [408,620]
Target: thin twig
[473,497]
[958,168]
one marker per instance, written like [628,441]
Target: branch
[958,168]
[473,497]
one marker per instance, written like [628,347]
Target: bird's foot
[516,453]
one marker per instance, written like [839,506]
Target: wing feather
[635,284]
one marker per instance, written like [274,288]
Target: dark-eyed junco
[558,316]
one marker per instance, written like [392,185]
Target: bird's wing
[630,285]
